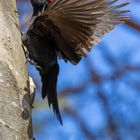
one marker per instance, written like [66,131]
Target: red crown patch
[51,1]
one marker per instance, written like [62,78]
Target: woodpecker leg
[26,52]
[25,40]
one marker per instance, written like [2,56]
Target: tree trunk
[15,108]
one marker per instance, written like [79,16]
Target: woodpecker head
[38,2]
[37,6]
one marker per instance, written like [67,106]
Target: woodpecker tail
[49,88]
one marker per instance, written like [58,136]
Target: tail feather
[49,85]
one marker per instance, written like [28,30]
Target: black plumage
[42,50]
[68,28]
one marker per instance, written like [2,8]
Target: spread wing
[76,25]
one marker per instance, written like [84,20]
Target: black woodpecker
[67,29]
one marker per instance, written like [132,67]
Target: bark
[14,90]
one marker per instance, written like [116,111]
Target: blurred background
[100,97]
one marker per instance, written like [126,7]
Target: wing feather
[79,24]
